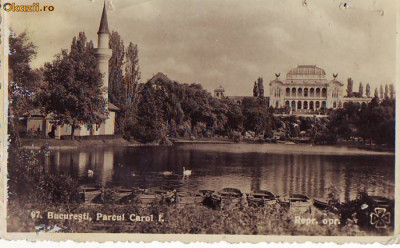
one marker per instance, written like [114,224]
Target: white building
[307,90]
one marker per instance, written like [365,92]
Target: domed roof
[219,89]
[306,70]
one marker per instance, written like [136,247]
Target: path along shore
[59,145]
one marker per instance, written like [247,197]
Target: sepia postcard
[199,120]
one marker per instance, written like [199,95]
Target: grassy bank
[190,219]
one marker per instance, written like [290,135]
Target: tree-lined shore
[162,109]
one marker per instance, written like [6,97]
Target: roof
[306,70]
[160,76]
[219,89]
[35,112]
[103,29]
[112,107]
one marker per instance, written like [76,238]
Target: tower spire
[103,29]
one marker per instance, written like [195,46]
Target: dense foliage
[23,80]
[29,181]
[73,91]
[169,108]
[373,122]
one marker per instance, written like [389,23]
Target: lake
[279,168]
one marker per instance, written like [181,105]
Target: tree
[116,87]
[361,89]
[381,92]
[257,118]
[132,72]
[386,92]
[74,92]
[391,91]
[255,89]
[24,81]
[349,87]
[376,92]
[260,86]
[368,90]
[149,118]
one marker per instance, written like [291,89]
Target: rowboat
[296,202]
[188,197]
[299,200]
[261,198]
[155,194]
[320,204]
[226,196]
[230,193]
[89,192]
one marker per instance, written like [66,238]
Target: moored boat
[299,200]
[261,198]
[188,197]
[226,196]
[296,202]
[229,196]
[320,204]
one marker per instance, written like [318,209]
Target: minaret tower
[103,51]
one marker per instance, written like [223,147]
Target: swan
[90,173]
[167,173]
[187,172]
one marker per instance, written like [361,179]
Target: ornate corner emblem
[380,218]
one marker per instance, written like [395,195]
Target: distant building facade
[307,90]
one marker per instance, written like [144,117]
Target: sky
[230,42]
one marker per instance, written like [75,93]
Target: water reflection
[236,166]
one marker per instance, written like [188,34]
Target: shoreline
[62,145]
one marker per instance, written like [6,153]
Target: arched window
[287,91]
[287,104]
[299,105]
[312,92]
[334,104]
[311,105]
[317,104]
[293,91]
[305,105]
[293,105]
[318,92]
[300,92]
[306,92]
[323,92]
[323,105]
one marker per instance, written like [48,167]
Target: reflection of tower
[105,166]
[57,160]
[82,162]
[103,52]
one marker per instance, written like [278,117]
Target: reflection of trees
[282,174]
[256,177]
